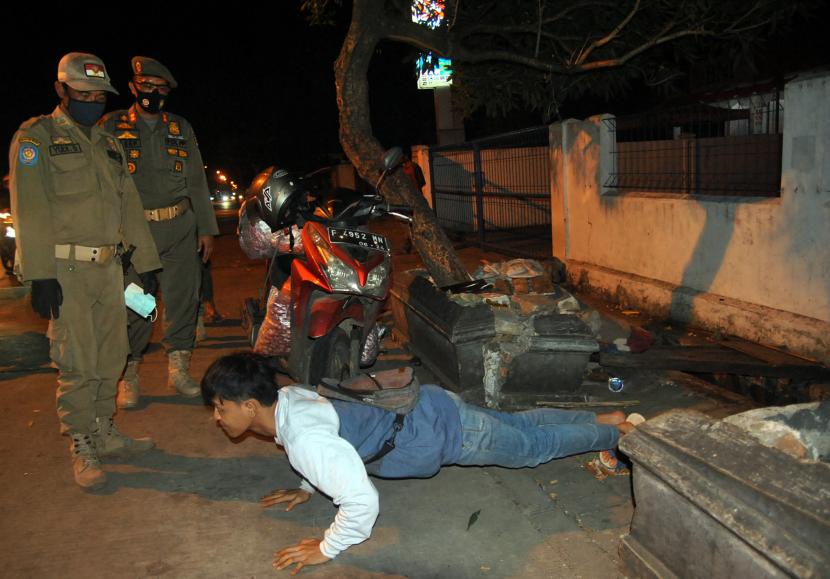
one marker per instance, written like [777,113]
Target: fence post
[479,192]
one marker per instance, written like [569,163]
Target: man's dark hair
[241,376]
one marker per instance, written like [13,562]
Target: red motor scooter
[328,276]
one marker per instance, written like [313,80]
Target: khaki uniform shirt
[165,162]
[70,188]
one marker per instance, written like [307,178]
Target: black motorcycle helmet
[277,192]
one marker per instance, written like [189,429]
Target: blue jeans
[529,438]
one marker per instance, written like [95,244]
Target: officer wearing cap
[73,203]
[165,162]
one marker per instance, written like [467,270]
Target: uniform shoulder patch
[28,154]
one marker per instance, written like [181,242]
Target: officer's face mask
[152,102]
[139,302]
[85,113]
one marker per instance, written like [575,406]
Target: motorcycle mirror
[392,158]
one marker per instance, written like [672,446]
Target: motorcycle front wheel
[329,357]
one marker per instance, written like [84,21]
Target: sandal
[607,464]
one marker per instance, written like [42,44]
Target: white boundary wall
[758,268]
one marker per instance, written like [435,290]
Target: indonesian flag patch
[94,70]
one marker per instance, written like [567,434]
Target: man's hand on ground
[293,497]
[306,552]
[205,247]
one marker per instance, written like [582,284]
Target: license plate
[361,238]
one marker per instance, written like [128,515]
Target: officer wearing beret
[73,203]
[164,160]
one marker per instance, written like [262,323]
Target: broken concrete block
[495,299]
[801,430]
[569,305]
[521,285]
[591,319]
[502,286]
[508,323]
[529,304]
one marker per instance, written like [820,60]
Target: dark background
[259,88]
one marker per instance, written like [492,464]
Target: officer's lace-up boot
[128,387]
[178,374]
[85,464]
[110,442]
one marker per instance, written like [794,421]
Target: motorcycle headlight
[342,278]
[377,280]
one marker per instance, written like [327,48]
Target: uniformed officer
[73,202]
[164,159]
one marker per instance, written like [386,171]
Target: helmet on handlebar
[277,192]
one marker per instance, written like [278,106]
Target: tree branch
[416,35]
[614,62]
[608,37]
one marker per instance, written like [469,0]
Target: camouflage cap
[84,72]
[145,66]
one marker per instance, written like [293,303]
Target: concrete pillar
[449,121]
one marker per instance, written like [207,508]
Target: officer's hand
[206,247]
[293,497]
[149,282]
[306,552]
[47,298]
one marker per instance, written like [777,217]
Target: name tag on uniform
[64,149]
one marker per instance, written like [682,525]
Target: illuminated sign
[434,71]
[428,12]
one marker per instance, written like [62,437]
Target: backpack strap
[389,445]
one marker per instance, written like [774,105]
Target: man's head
[82,86]
[239,386]
[151,83]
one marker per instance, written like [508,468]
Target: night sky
[258,90]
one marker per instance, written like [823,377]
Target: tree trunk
[366,153]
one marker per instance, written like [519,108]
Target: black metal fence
[700,150]
[495,191]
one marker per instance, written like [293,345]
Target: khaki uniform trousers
[88,341]
[179,281]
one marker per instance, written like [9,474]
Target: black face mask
[85,113]
[150,101]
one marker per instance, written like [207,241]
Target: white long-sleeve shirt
[308,427]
